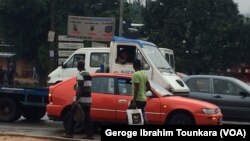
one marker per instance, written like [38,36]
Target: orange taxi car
[111,94]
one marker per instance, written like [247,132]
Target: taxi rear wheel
[181,118]
[79,127]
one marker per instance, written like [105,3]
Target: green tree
[204,34]
[25,24]
[134,13]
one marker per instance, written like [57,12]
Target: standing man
[83,97]
[1,75]
[11,74]
[140,86]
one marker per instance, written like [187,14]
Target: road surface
[43,129]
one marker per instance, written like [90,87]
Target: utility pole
[52,28]
[121,18]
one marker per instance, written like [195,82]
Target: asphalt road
[51,129]
[43,128]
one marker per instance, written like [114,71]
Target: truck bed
[27,102]
[29,96]
[25,91]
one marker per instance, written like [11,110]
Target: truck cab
[93,58]
[153,62]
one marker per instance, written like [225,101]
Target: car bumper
[54,111]
[203,119]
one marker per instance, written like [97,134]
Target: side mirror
[149,94]
[63,65]
[243,93]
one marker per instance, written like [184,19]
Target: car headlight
[210,111]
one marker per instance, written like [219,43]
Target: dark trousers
[141,105]
[87,123]
[11,77]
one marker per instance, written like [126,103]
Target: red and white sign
[91,28]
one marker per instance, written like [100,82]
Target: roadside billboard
[66,46]
[96,44]
[91,28]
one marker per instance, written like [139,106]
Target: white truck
[93,58]
[169,56]
[153,62]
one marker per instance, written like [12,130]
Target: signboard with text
[70,45]
[96,44]
[91,28]
[66,46]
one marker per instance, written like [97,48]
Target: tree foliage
[25,25]
[206,35]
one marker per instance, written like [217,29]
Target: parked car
[181,75]
[111,94]
[230,94]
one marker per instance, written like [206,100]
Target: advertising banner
[91,28]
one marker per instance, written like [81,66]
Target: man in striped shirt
[83,97]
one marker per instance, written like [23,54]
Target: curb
[42,137]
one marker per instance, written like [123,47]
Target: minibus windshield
[157,58]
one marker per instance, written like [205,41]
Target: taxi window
[124,86]
[104,85]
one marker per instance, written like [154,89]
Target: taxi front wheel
[181,118]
